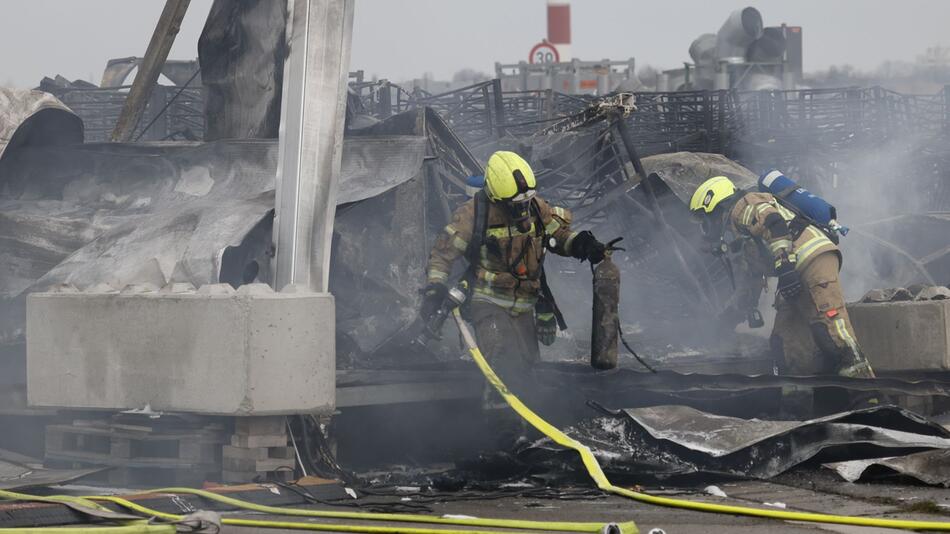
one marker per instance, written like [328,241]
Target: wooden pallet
[137,454]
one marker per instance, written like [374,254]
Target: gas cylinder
[605,322]
[802,200]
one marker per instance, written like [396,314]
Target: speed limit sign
[543,52]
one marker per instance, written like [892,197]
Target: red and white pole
[559,27]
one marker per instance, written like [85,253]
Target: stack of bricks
[258,451]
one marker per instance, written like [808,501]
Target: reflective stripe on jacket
[508,270]
[748,218]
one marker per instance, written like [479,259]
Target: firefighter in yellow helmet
[504,233]
[810,305]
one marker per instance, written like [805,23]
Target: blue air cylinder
[477,181]
[805,202]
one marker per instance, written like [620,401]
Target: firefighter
[504,233]
[810,305]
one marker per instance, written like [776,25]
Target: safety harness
[801,220]
[473,255]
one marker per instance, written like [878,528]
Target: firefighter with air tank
[773,235]
[504,233]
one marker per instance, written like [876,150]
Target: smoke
[927,75]
[882,190]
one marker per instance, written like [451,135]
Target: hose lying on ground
[515,524]
[137,527]
[131,524]
[597,474]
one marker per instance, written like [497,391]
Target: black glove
[586,247]
[432,298]
[789,282]
[546,325]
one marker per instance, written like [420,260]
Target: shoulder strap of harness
[474,249]
[798,224]
[546,294]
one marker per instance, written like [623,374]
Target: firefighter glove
[789,282]
[586,247]
[546,325]
[432,298]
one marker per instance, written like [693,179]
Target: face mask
[520,213]
[712,226]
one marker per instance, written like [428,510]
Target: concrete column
[311,139]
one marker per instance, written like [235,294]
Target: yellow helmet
[509,177]
[711,193]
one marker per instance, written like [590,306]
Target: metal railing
[171,113]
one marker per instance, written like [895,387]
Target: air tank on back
[802,200]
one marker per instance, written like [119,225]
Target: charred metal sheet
[683,172]
[930,467]
[374,165]
[679,440]
[158,213]
[185,212]
[19,476]
[241,52]
[620,451]
[719,436]
[35,118]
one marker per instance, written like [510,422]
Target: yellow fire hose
[86,505]
[515,524]
[597,474]
[587,457]
[134,527]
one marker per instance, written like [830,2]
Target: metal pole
[385,99]
[499,107]
[151,66]
[667,230]
[311,139]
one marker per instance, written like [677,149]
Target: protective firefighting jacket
[751,216]
[510,259]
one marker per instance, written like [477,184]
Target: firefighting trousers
[813,333]
[509,342]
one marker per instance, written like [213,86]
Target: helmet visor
[519,206]
[711,225]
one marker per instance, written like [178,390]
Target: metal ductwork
[770,48]
[740,30]
[703,49]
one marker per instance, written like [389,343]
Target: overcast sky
[402,39]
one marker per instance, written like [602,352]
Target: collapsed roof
[200,213]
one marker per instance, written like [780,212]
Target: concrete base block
[249,352]
[904,336]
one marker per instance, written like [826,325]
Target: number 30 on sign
[544,52]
